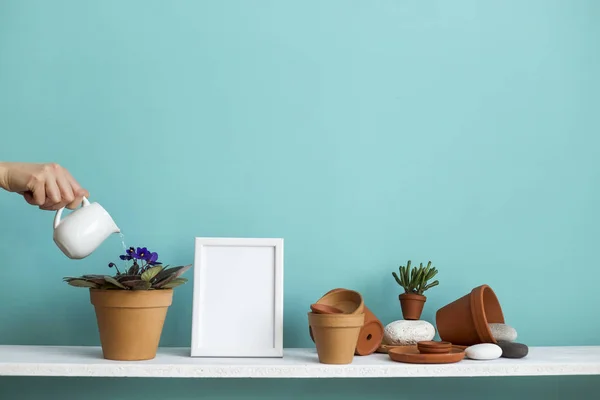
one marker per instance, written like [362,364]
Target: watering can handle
[86,203]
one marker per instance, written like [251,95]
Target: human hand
[48,186]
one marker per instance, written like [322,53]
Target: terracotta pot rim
[335,321]
[359,309]
[337,315]
[478,313]
[131,299]
[412,296]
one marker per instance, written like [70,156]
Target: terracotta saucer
[431,347]
[324,309]
[411,355]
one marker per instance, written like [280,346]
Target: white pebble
[405,332]
[483,351]
[503,332]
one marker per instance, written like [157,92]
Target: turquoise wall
[365,133]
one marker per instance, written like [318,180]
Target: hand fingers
[28,197]
[79,195]
[66,191]
[66,195]
[39,194]
[78,192]
[53,196]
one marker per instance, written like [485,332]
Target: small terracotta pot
[349,301]
[412,305]
[336,336]
[465,321]
[371,334]
[130,322]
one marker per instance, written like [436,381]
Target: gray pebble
[512,349]
[503,332]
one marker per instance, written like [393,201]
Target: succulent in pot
[414,281]
[131,305]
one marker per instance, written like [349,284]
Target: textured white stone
[483,351]
[173,362]
[403,333]
[503,332]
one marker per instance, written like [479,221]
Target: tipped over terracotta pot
[466,321]
[130,322]
[336,336]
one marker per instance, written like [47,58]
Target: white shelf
[296,363]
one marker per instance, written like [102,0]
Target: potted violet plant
[131,306]
[414,281]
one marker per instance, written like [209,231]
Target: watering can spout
[115,228]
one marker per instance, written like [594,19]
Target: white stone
[503,332]
[404,332]
[483,351]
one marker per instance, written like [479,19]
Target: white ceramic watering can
[78,234]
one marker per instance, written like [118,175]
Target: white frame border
[231,350]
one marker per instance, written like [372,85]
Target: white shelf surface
[296,363]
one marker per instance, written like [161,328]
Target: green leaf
[151,273]
[432,284]
[396,278]
[82,283]
[167,275]
[114,282]
[426,271]
[138,285]
[175,282]
[99,279]
[123,278]
[132,283]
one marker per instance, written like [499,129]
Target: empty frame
[238,298]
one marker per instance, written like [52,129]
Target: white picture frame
[237,297]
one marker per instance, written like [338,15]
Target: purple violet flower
[130,254]
[142,253]
[152,259]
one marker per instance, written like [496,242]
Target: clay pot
[465,321]
[130,322]
[325,309]
[349,301]
[371,334]
[412,305]
[336,336]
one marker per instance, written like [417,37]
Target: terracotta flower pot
[336,336]
[371,334]
[412,305]
[465,321]
[349,301]
[130,322]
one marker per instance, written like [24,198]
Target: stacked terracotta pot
[341,326]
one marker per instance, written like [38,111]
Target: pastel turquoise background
[365,133]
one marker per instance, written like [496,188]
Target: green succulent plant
[414,280]
[145,273]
